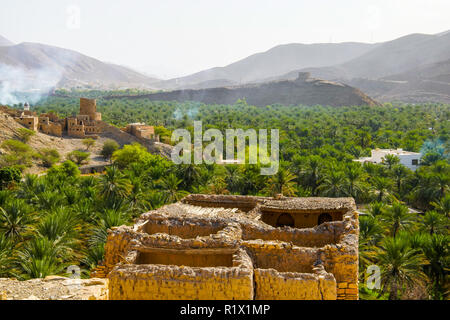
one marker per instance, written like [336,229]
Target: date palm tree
[113,184]
[376,209]
[370,233]
[170,188]
[333,184]
[233,178]
[353,177]
[41,257]
[189,174]
[434,222]
[443,205]
[6,256]
[436,250]
[16,219]
[397,218]
[390,160]
[401,265]
[400,173]
[382,187]
[310,174]
[281,183]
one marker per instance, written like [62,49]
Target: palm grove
[61,218]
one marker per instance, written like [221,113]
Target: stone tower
[88,107]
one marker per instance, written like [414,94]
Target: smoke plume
[18,85]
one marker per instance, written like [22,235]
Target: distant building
[409,159]
[141,130]
[85,124]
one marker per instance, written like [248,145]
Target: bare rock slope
[303,90]
[54,288]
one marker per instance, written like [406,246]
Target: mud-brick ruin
[237,247]
[88,123]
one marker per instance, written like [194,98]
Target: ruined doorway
[285,219]
[324,217]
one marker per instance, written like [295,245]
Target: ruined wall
[310,237]
[168,282]
[301,219]
[76,131]
[186,259]
[159,282]
[117,246]
[273,285]
[29,122]
[281,256]
[51,128]
[185,230]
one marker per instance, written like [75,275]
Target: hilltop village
[86,124]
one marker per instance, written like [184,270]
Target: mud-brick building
[87,123]
[141,130]
[49,123]
[237,247]
[28,121]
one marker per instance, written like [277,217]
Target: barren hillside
[303,90]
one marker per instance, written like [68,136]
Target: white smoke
[18,85]
[190,110]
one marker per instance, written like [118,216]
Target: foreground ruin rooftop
[237,247]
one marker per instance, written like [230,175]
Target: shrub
[130,154]
[25,134]
[109,147]
[9,175]
[49,157]
[78,156]
[88,143]
[18,154]
[66,169]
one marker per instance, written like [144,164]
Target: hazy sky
[177,37]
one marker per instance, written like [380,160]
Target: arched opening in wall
[285,219]
[324,217]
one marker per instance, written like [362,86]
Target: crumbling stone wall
[29,122]
[283,257]
[272,285]
[163,282]
[301,219]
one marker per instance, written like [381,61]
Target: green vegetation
[79,157]
[109,147]
[317,148]
[88,143]
[49,157]
[25,134]
[18,154]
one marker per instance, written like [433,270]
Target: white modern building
[409,159]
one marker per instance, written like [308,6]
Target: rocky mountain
[413,68]
[424,83]
[36,66]
[5,42]
[274,62]
[303,90]
[399,56]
